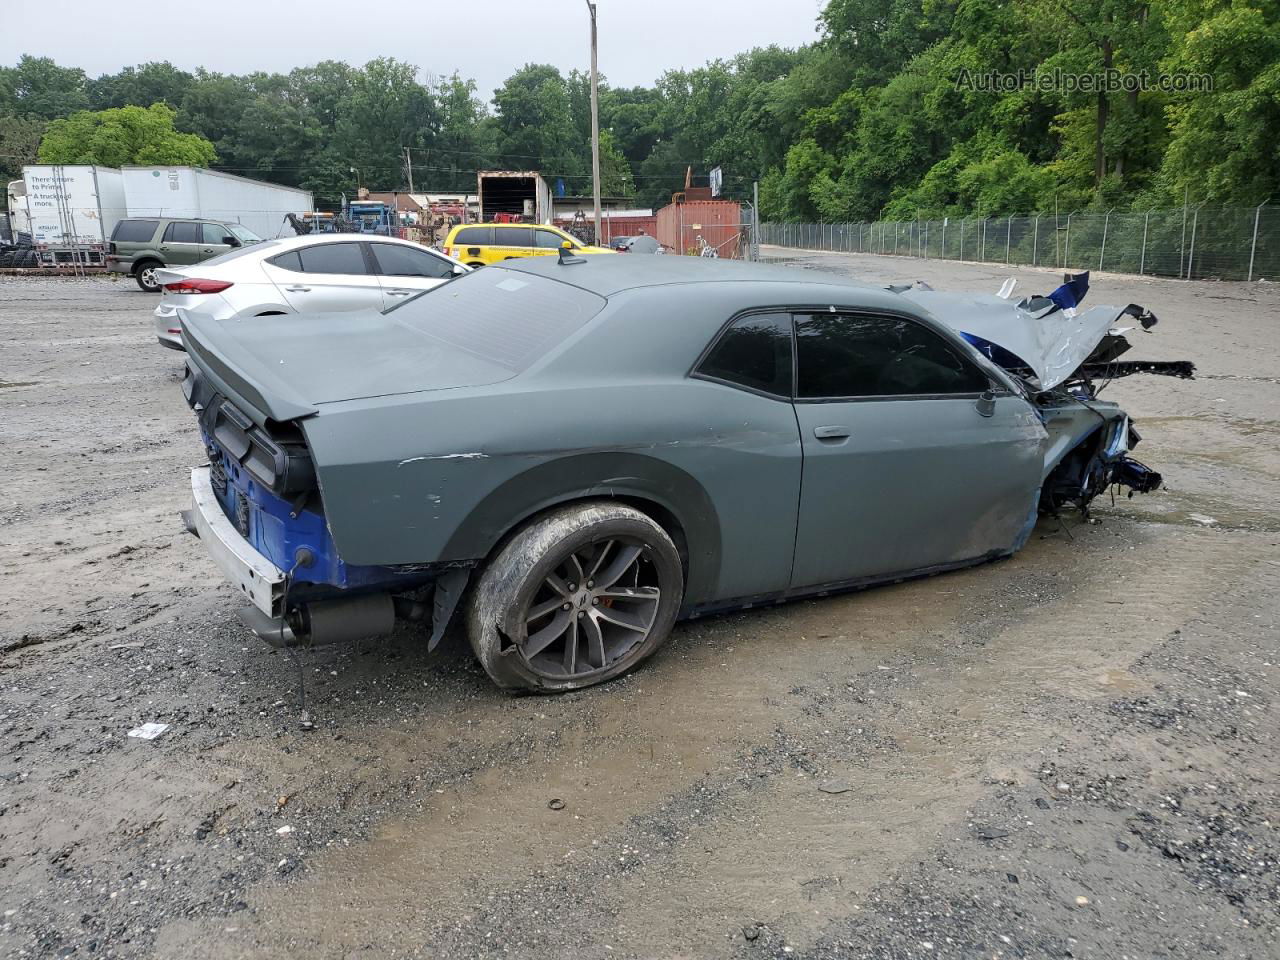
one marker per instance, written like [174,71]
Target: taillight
[197,286]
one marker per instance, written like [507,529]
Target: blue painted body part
[1071,294]
[997,354]
[278,534]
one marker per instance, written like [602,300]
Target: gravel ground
[1068,754]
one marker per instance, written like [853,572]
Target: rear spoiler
[240,376]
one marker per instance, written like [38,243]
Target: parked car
[583,450]
[141,246]
[641,244]
[617,243]
[478,244]
[329,273]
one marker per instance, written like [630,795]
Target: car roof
[606,276]
[309,239]
[526,226]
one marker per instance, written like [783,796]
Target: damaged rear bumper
[256,576]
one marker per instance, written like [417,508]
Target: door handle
[297,289]
[831,432]
[398,293]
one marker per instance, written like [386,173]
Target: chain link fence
[1195,243]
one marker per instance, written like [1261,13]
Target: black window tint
[397,261]
[545,239]
[182,232]
[287,261]
[215,234]
[860,355]
[511,237]
[755,352]
[475,236]
[134,231]
[345,258]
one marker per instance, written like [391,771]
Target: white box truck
[194,193]
[69,210]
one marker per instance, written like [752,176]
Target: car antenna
[567,256]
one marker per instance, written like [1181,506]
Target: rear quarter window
[501,316]
[475,236]
[134,231]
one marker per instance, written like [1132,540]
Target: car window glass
[547,239]
[397,261]
[244,234]
[511,237]
[345,258]
[754,352]
[182,232]
[134,231]
[287,261]
[863,355]
[475,236]
[214,234]
[257,250]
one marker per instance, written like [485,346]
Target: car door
[546,242]
[403,271]
[326,277]
[180,243]
[214,237]
[511,241]
[911,459]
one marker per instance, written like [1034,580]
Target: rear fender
[633,477]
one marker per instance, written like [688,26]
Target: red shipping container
[717,222]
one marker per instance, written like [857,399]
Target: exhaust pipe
[326,621]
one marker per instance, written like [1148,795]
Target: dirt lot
[1069,754]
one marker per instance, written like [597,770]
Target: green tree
[42,89]
[19,143]
[124,135]
[140,86]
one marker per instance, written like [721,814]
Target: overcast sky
[482,39]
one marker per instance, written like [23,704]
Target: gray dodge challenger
[569,455]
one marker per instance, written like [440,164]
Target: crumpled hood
[1051,341]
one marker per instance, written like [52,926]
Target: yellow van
[477,244]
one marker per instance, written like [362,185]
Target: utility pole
[595,121]
[408,166]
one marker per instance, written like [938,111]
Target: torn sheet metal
[1047,340]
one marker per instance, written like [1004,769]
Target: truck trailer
[195,193]
[513,195]
[69,210]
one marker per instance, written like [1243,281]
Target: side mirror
[230,241]
[459,269]
[986,403]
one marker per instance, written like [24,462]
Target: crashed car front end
[1063,356]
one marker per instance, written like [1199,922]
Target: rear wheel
[577,597]
[145,275]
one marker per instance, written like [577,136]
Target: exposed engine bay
[1065,357]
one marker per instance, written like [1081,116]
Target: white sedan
[326,273]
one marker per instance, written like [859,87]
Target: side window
[182,232]
[511,237]
[134,231]
[344,258]
[864,355]
[214,234]
[474,237]
[546,240]
[397,261]
[287,261]
[754,352]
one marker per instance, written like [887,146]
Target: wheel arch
[664,492]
